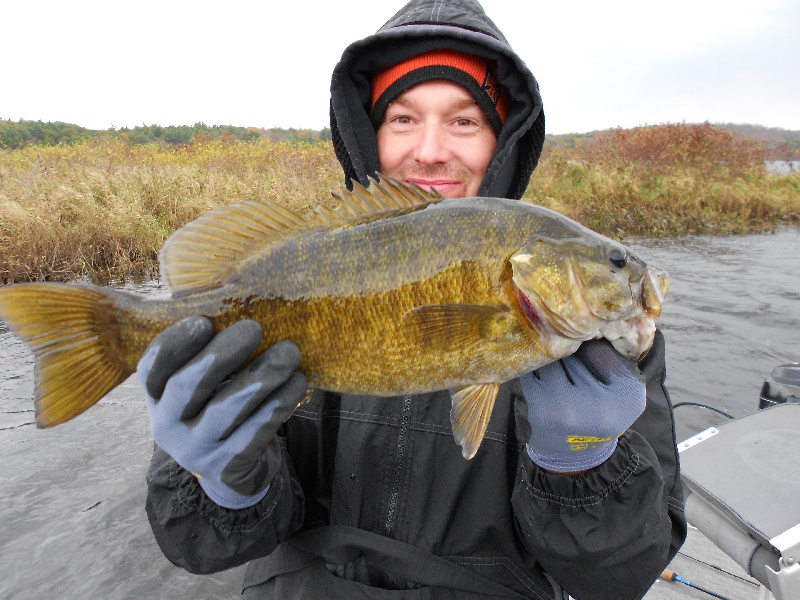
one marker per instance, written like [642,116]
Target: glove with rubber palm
[221,428]
[580,405]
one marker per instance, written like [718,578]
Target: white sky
[267,63]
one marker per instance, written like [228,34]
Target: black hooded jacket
[424,26]
[373,498]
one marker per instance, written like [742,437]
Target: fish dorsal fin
[200,256]
[383,195]
[472,408]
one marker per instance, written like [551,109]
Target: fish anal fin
[454,326]
[203,254]
[470,414]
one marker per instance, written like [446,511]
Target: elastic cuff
[569,463]
[227,498]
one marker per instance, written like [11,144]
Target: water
[782,167]
[732,314]
[72,498]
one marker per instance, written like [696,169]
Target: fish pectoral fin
[472,408]
[446,327]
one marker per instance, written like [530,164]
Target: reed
[102,209]
[668,180]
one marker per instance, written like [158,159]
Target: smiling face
[435,135]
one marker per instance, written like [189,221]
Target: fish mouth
[654,286]
[632,337]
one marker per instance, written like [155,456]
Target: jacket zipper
[405,423]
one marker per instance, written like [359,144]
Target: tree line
[778,144]
[22,133]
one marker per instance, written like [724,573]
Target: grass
[102,209]
[669,180]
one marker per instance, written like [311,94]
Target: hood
[422,26]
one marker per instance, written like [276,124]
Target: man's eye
[468,123]
[402,119]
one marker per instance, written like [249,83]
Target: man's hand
[580,405]
[222,430]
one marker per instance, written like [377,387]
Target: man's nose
[432,145]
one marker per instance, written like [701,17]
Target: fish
[395,290]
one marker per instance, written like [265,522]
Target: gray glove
[580,405]
[224,432]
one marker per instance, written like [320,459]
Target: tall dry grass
[667,180]
[102,209]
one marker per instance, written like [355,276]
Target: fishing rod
[671,575]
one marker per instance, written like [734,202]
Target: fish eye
[618,258]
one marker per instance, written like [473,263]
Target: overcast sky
[617,63]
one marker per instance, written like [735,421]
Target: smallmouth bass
[395,291]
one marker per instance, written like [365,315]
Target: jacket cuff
[562,463]
[198,534]
[176,493]
[603,477]
[227,498]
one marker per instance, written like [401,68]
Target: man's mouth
[444,186]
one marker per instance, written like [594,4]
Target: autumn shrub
[666,180]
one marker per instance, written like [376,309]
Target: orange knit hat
[477,75]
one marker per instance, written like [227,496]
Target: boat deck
[703,564]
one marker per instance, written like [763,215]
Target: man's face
[435,135]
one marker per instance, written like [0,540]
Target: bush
[664,180]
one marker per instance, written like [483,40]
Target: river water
[72,498]
[731,315]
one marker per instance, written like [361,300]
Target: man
[369,497]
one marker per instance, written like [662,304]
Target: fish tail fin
[74,333]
